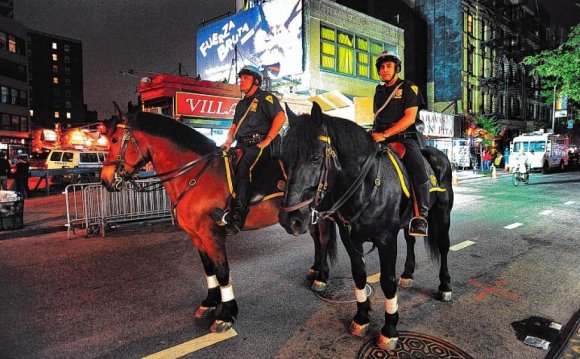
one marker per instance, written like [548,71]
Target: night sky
[146,35]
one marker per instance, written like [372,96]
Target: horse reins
[121,172]
[330,155]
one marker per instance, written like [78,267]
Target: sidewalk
[469,174]
[42,214]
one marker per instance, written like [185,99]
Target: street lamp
[554,110]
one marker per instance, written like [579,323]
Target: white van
[549,151]
[58,159]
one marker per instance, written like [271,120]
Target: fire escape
[518,28]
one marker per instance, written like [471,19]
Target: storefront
[14,144]
[206,106]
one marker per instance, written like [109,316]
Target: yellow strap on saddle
[228,173]
[400,174]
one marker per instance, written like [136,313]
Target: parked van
[549,151]
[75,159]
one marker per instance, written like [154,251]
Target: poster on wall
[267,36]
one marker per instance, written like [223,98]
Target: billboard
[267,36]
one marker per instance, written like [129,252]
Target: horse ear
[292,117]
[316,113]
[118,112]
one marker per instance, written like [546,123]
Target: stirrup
[416,232]
[219,216]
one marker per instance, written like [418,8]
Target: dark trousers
[252,158]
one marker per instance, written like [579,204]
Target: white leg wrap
[212,282]
[391,305]
[227,293]
[360,294]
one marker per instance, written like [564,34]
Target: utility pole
[554,110]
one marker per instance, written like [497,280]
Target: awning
[331,100]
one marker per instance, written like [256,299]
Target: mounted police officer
[257,122]
[396,103]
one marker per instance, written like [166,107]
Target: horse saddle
[268,180]
[400,149]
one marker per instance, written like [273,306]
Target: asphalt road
[134,292]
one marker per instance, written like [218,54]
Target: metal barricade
[90,207]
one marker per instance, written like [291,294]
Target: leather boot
[418,226]
[235,218]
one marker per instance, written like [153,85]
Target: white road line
[375,278]
[546,212]
[192,345]
[569,203]
[461,245]
[513,225]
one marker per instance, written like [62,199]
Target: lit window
[68,115]
[56,114]
[469,24]
[31,113]
[11,43]
[55,80]
[54,57]
[54,46]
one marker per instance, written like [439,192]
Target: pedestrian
[258,119]
[396,103]
[21,176]
[486,160]
[506,157]
[4,171]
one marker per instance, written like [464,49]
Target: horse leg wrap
[360,294]
[212,282]
[391,305]
[227,293]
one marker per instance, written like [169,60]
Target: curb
[30,232]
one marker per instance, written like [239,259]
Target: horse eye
[114,140]
[316,159]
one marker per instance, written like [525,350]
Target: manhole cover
[413,345]
[341,290]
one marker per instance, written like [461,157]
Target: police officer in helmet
[257,122]
[396,104]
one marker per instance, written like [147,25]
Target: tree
[559,67]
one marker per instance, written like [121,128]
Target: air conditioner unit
[156,110]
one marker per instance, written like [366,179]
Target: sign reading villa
[205,106]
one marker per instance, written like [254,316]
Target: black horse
[335,170]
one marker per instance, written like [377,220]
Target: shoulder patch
[269,99]
[415,89]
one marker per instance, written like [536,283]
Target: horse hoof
[204,312]
[405,282]
[219,326]
[318,286]
[445,296]
[311,274]
[359,330]
[385,343]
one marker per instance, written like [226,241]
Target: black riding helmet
[386,56]
[252,71]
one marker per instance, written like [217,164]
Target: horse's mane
[178,133]
[347,137]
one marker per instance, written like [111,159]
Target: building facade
[56,81]
[14,116]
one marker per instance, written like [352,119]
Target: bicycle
[519,176]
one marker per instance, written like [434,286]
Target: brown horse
[193,171]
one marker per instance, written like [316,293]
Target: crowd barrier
[90,207]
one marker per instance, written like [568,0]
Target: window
[54,46]
[54,57]
[56,114]
[55,80]
[55,69]
[5,94]
[469,24]
[68,115]
[68,104]
[66,48]
[67,93]
[3,40]
[13,96]
[67,70]
[67,81]
[11,43]
[349,54]
[67,157]
[67,59]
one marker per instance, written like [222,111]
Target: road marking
[513,225]
[496,289]
[192,345]
[569,203]
[546,212]
[375,278]
[460,246]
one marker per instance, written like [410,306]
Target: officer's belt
[251,139]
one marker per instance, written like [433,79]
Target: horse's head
[311,164]
[125,157]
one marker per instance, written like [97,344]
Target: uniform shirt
[407,96]
[263,107]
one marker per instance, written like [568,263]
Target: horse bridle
[330,158]
[121,172]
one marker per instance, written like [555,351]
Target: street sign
[561,113]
